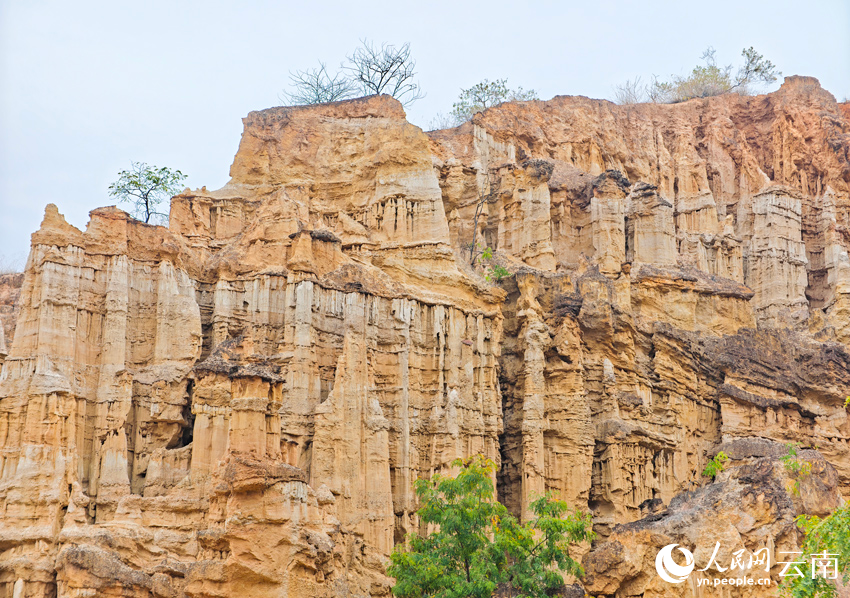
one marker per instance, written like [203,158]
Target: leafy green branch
[827,543]
[796,467]
[477,545]
[146,187]
[715,465]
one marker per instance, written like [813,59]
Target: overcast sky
[86,87]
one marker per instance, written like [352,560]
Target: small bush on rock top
[486,94]
[9,265]
[703,81]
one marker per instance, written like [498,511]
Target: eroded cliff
[242,401]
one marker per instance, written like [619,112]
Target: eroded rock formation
[242,402]
[10,291]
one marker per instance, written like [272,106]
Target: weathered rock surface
[241,402]
[10,291]
[752,511]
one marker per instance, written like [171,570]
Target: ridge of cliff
[242,401]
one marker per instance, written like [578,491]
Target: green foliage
[497,273]
[476,544]
[539,550]
[485,94]
[715,465]
[756,68]
[847,402]
[795,466]
[459,558]
[703,81]
[146,187]
[830,536]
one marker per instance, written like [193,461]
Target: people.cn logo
[668,569]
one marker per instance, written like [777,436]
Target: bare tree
[487,195]
[443,121]
[316,86]
[11,265]
[385,69]
[659,92]
[630,92]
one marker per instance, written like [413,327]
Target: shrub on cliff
[703,81]
[485,94]
[476,545]
[9,265]
[715,465]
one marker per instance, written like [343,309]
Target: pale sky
[87,86]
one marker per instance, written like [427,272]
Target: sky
[87,87]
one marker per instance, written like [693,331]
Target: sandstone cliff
[241,402]
[10,291]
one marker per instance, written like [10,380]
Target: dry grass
[11,264]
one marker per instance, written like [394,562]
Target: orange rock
[241,402]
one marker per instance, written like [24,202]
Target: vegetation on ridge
[703,81]
[478,98]
[369,70]
[390,69]
[9,265]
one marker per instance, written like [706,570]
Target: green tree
[476,544]
[146,187]
[827,539]
[483,95]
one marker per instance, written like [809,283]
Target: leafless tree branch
[317,86]
[385,69]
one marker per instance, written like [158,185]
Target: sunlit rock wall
[242,402]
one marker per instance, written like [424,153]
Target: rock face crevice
[243,401]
